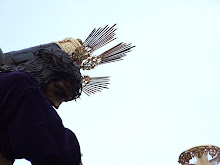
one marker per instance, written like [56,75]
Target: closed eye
[60,91]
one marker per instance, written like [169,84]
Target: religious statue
[36,79]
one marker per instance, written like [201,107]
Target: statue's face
[58,92]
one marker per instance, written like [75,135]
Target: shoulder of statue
[20,78]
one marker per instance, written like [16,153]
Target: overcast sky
[163,97]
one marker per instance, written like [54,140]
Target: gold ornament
[201,153]
[82,54]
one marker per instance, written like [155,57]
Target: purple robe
[30,127]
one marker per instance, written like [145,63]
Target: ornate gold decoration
[91,85]
[81,53]
[198,151]
[85,80]
[69,45]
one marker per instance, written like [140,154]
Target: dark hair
[47,66]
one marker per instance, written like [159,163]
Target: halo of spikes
[82,54]
[99,37]
[112,55]
[96,84]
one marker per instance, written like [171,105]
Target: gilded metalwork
[81,53]
[198,151]
[85,80]
[91,85]
[69,45]
[91,63]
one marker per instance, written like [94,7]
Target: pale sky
[163,97]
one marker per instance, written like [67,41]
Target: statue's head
[58,77]
[53,66]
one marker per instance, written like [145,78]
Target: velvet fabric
[30,127]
